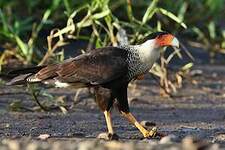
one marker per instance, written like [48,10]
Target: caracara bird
[107,70]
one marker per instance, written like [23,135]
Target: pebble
[103,136]
[89,145]
[219,137]
[190,143]
[168,139]
[166,143]
[32,146]
[12,144]
[43,136]
[147,123]
[196,72]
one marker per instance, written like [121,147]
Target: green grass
[104,22]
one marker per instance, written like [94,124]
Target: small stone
[219,137]
[108,136]
[168,139]
[151,141]
[214,75]
[43,136]
[196,72]
[147,123]
[103,136]
[32,146]
[223,95]
[115,145]
[214,147]
[12,144]
[7,125]
[87,145]
[188,143]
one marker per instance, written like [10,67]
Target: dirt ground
[198,110]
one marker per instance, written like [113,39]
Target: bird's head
[164,39]
[149,50]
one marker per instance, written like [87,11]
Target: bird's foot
[151,134]
[113,136]
[108,136]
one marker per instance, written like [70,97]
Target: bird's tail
[19,76]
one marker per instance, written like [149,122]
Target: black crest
[152,36]
[156,34]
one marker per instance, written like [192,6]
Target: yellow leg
[145,132]
[108,121]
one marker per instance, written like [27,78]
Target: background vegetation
[36,32]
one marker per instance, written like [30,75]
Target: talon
[152,133]
[113,137]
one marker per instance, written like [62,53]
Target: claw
[152,133]
[113,137]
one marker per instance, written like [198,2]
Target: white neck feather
[149,52]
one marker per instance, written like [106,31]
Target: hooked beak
[175,42]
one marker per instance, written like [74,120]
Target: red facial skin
[164,40]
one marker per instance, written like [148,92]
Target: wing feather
[96,67]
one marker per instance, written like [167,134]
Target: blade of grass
[23,47]
[67,6]
[150,11]
[101,14]
[172,16]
